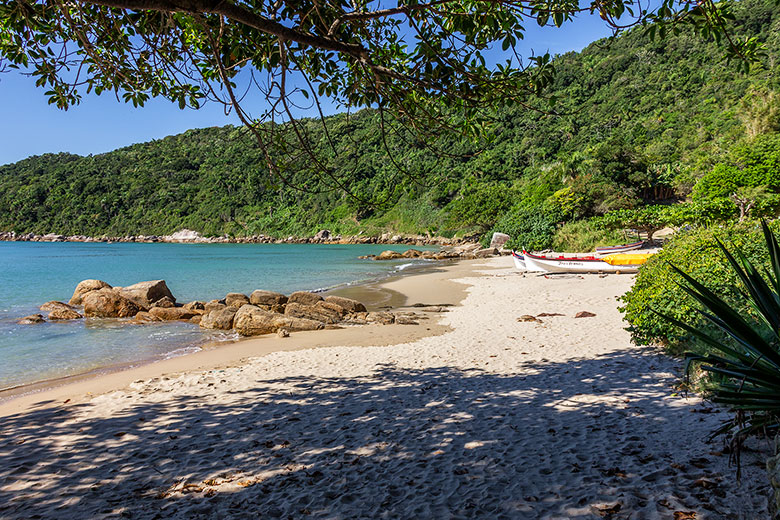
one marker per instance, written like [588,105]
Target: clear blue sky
[101,123]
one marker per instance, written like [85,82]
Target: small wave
[404,266]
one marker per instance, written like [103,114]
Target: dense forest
[644,132]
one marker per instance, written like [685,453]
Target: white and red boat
[608,250]
[559,263]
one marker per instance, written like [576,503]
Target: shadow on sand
[582,439]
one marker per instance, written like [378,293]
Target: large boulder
[145,294]
[84,287]
[218,319]
[253,321]
[108,303]
[304,298]
[348,304]
[322,234]
[236,300]
[412,253]
[498,240]
[268,298]
[321,311]
[171,313]
[214,305]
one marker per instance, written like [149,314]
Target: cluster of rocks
[188,236]
[262,312]
[467,252]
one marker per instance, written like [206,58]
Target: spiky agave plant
[747,358]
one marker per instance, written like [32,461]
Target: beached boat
[608,250]
[623,263]
[519,260]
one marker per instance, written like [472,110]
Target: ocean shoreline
[376,292]
[494,417]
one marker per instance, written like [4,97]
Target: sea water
[32,273]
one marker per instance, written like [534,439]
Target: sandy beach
[470,414]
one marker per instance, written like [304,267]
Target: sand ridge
[497,418]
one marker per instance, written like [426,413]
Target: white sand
[494,419]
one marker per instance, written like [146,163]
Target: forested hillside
[637,122]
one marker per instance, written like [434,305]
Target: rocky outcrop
[145,294]
[388,255]
[108,303]
[218,319]
[236,300]
[54,305]
[31,319]
[252,321]
[84,287]
[347,304]
[171,313]
[195,306]
[304,298]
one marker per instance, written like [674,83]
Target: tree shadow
[587,438]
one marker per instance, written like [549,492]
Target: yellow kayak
[627,259]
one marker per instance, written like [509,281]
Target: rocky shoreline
[193,237]
[262,312]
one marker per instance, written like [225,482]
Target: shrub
[746,362]
[695,252]
[585,235]
[529,226]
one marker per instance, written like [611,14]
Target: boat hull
[574,265]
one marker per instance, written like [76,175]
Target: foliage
[480,205]
[695,252]
[530,227]
[746,353]
[585,235]
[634,117]
[646,219]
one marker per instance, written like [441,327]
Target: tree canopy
[423,65]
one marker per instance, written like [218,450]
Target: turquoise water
[32,273]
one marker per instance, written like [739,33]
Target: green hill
[639,122]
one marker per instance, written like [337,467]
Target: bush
[585,235]
[696,253]
[530,226]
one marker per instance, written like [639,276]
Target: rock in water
[144,294]
[348,304]
[107,303]
[84,287]
[54,305]
[195,306]
[253,321]
[31,319]
[267,298]
[218,319]
[236,300]
[145,317]
[498,240]
[388,255]
[64,314]
[304,298]
[171,313]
